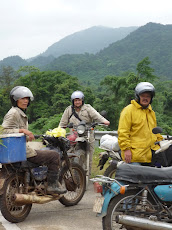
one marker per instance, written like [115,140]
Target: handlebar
[157,143]
[168,138]
[96,123]
[55,141]
[38,136]
[92,125]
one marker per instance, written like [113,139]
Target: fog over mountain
[93,61]
[90,40]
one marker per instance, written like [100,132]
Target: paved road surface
[55,216]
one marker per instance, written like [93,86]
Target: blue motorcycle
[140,197]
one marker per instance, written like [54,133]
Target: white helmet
[19,92]
[77,94]
[143,87]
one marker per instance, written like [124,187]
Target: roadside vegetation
[52,91]
[96,170]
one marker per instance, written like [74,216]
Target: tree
[51,90]
[144,71]
[8,77]
[28,69]
[120,90]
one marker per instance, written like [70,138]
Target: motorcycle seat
[143,174]
[28,164]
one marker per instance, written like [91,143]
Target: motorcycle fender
[109,194]
[80,139]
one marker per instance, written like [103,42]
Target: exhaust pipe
[142,223]
[29,199]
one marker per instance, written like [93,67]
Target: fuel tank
[164,192]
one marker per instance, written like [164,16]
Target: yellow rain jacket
[135,132]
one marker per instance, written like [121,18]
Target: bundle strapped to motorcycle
[61,142]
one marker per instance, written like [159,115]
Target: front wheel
[126,204]
[10,211]
[75,191]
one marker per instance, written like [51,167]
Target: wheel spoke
[75,186]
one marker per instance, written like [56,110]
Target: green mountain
[90,40]
[13,61]
[152,40]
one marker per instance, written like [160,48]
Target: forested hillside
[90,40]
[152,40]
[52,91]
[107,78]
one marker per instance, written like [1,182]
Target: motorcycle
[112,151]
[24,183]
[138,198]
[80,141]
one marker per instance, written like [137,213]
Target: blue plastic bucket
[13,148]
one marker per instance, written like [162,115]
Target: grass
[96,170]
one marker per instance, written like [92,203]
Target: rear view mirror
[157,130]
[103,113]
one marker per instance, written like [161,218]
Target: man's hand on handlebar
[107,123]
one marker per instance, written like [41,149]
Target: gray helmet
[143,87]
[19,92]
[77,94]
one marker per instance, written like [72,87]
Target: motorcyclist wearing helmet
[16,121]
[137,120]
[80,111]
[84,111]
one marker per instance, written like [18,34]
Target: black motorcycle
[24,183]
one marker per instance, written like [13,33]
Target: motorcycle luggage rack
[108,180]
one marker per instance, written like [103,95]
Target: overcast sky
[29,27]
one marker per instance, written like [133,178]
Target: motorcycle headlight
[80,129]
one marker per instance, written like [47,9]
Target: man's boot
[54,186]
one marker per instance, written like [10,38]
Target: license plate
[98,203]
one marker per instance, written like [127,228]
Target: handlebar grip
[37,136]
[157,143]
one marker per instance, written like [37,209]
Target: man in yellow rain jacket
[137,120]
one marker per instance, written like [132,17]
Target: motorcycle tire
[110,171]
[119,203]
[10,211]
[75,192]
[81,158]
